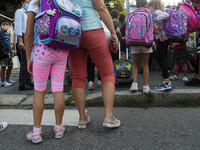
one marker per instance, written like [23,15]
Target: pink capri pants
[183,65]
[94,44]
[48,60]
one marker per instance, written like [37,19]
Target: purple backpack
[139,28]
[175,26]
[58,24]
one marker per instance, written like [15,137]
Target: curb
[24,99]
[175,98]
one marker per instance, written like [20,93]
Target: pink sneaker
[59,131]
[35,136]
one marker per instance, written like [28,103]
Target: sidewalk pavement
[180,95]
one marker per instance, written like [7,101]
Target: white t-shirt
[33,6]
[107,32]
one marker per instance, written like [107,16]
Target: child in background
[42,61]
[161,47]
[180,57]
[144,52]
[7,62]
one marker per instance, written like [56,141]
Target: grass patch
[68,100]
[28,108]
[24,99]
[139,104]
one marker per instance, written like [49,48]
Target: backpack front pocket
[43,24]
[68,31]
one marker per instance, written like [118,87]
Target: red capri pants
[94,44]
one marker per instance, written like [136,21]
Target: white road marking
[25,117]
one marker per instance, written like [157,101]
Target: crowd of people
[41,60]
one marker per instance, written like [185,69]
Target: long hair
[158,4]
[121,18]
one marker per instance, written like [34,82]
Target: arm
[161,15]
[119,34]
[14,40]
[105,16]
[156,27]
[11,52]
[175,44]
[18,28]
[29,38]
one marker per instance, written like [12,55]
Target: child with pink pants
[180,57]
[42,62]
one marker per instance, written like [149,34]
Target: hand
[156,27]
[116,43]
[175,44]
[30,66]
[12,55]
[21,46]
[155,47]
[12,46]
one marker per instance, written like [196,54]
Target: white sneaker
[173,77]
[11,81]
[134,87]
[146,89]
[5,84]
[113,123]
[185,79]
[91,85]
[99,83]
[3,125]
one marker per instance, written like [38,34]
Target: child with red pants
[180,57]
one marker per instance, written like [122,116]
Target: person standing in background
[7,63]
[116,23]
[157,6]
[122,30]
[19,30]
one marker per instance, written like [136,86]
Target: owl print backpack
[58,24]
[139,28]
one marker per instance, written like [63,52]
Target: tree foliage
[8,7]
[115,4]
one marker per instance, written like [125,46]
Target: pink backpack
[193,20]
[139,28]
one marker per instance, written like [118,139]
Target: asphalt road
[141,129]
